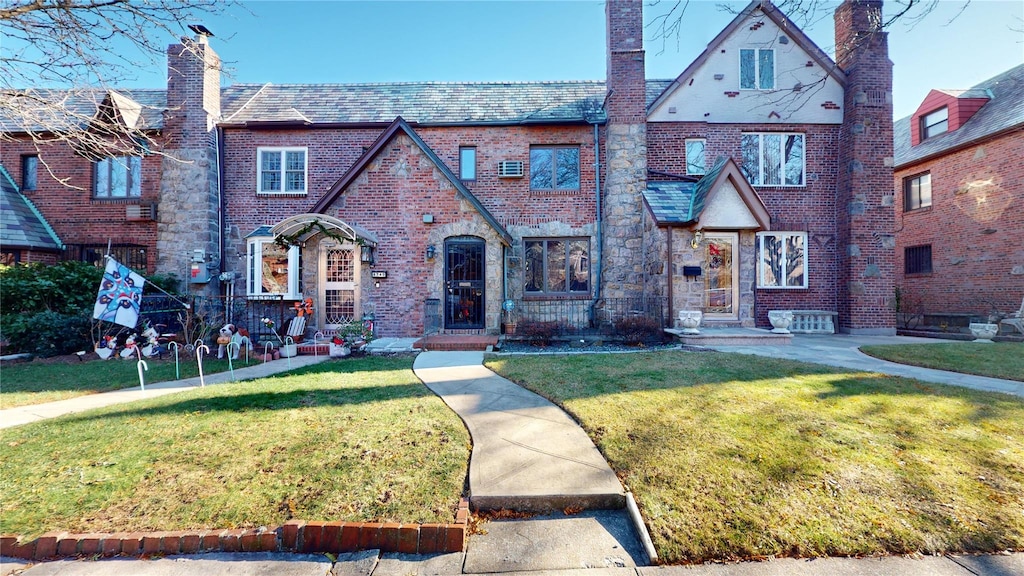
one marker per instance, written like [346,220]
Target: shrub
[637,330]
[65,288]
[47,333]
[538,333]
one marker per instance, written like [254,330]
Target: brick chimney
[193,91]
[190,210]
[625,151]
[865,216]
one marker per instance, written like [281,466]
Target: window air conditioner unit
[510,169]
[140,212]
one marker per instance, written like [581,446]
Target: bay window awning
[301,227]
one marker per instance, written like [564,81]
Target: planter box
[289,350]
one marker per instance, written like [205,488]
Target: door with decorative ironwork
[465,282]
[339,285]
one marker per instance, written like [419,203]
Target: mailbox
[691,271]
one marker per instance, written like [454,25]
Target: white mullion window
[271,269]
[773,158]
[757,69]
[281,170]
[782,260]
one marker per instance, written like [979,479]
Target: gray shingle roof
[671,202]
[1004,110]
[21,224]
[79,107]
[418,102]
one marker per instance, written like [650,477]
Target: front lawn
[997,360]
[43,380]
[733,456]
[354,440]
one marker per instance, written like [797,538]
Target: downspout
[671,278]
[600,223]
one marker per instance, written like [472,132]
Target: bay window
[272,269]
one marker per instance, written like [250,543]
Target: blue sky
[388,41]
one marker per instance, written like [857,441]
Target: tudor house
[960,214]
[758,179]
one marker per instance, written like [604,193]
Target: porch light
[366,253]
[431,251]
[697,237]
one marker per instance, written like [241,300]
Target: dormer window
[935,123]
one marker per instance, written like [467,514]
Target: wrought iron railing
[193,316]
[580,317]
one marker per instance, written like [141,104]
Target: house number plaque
[379,274]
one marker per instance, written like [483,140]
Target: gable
[400,166]
[808,86]
[21,223]
[721,200]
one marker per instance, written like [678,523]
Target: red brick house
[960,214]
[748,183]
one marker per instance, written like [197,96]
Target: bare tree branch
[60,59]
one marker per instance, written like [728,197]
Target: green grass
[733,456]
[354,440]
[28,383]
[997,360]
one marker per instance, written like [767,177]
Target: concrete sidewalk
[841,350]
[372,563]
[26,414]
[527,453]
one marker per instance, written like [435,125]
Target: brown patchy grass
[733,456]
[354,440]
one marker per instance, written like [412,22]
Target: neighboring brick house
[959,179]
[431,204]
[25,236]
[90,204]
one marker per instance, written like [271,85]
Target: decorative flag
[120,295]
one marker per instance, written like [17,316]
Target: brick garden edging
[293,536]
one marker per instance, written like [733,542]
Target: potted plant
[508,311]
[338,348]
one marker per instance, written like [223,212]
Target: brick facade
[864,205]
[64,194]
[205,183]
[975,228]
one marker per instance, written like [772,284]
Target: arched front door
[465,282]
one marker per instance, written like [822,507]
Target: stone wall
[188,216]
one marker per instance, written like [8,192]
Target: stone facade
[625,152]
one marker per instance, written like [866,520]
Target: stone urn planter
[781,320]
[339,350]
[690,320]
[984,332]
[288,350]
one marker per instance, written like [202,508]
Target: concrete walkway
[25,414]
[527,453]
[372,563]
[840,350]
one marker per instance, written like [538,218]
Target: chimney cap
[200,29]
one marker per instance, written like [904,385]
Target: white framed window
[782,260]
[281,170]
[696,165]
[271,269]
[935,123]
[117,177]
[773,158]
[757,69]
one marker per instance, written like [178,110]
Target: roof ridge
[423,83]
